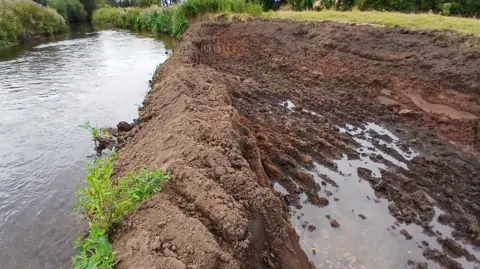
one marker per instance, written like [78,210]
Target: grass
[23,19]
[413,21]
[106,204]
[173,20]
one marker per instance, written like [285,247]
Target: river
[46,91]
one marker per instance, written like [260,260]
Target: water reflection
[45,93]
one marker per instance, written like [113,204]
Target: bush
[172,20]
[22,19]
[71,10]
[301,4]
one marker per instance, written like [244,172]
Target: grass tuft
[106,204]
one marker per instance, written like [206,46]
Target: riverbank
[173,20]
[358,137]
[24,20]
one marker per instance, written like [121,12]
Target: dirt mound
[308,109]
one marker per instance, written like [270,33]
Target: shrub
[71,10]
[301,4]
[172,20]
[24,18]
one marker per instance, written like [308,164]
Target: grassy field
[414,21]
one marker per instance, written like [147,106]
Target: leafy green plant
[105,204]
[95,251]
[98,134]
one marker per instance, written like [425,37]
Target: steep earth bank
[333,117]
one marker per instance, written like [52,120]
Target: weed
[97,133]
[95,251]
[105,204]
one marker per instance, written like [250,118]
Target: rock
[124,126]
[362,216]
[311,228]
[334,224]
[336,199]
[314,251]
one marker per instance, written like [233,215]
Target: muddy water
[45,93]
[368,236]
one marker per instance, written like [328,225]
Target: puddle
[440,109]
[279,188]
[292,107]
[364,137]
[368,236]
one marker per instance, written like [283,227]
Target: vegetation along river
[46,92]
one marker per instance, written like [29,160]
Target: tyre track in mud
[310,110]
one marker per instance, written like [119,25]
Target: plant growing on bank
[173,20]
[97,133]
[71,10]
[95,251]
[22,19]
[105,204]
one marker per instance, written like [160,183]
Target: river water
[45,93]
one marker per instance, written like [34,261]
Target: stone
[124,126]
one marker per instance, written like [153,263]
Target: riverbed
[46,92]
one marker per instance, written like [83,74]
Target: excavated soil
[309,145]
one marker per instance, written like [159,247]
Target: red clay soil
[213,119]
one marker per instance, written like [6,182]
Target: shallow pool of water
[45,93]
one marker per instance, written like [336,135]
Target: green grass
[106,204]
[413,21]
[173,20]
[22,19]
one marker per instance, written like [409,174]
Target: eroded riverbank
[309,145]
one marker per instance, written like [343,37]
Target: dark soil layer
[218,119]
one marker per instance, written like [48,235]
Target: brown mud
[309,145]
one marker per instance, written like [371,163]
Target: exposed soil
[273,130]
